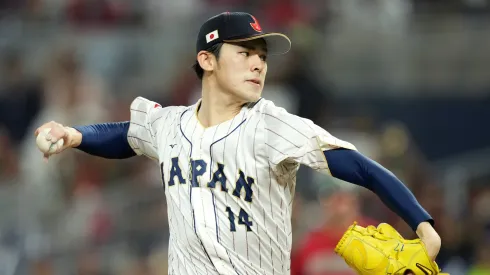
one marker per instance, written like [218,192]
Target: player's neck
[217,107]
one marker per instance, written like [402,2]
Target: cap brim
[277,43]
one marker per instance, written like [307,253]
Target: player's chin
[252,95]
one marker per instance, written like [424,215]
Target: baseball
[46,146]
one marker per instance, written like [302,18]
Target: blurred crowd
[83,61]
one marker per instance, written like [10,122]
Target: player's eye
[245,53]
[263,57]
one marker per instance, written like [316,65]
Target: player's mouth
[254,81]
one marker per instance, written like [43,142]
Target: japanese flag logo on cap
[212,36]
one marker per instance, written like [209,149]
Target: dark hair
[215,50]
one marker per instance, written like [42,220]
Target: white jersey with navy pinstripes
[229,187]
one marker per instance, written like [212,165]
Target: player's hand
[430,238]
[71,137]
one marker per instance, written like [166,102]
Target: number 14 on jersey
[242,219]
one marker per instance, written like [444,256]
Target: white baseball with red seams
[44,143]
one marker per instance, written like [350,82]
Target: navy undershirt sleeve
[106,140]
[353,167]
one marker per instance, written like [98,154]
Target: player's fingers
[50,124]
[38,130]
[57,132]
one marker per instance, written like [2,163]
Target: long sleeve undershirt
[107,140]
[353,167]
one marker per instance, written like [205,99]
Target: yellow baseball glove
[382,250]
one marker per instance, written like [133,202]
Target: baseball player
[229,162]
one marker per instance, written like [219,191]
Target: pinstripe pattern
[260,151]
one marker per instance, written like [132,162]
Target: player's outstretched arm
[353,167]
[107,140]
[297,140]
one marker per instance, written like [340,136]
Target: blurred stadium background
[406,81]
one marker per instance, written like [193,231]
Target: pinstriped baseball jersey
[229,187]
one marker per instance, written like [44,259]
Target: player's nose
[257,64]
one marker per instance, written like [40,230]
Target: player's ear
[206,60]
